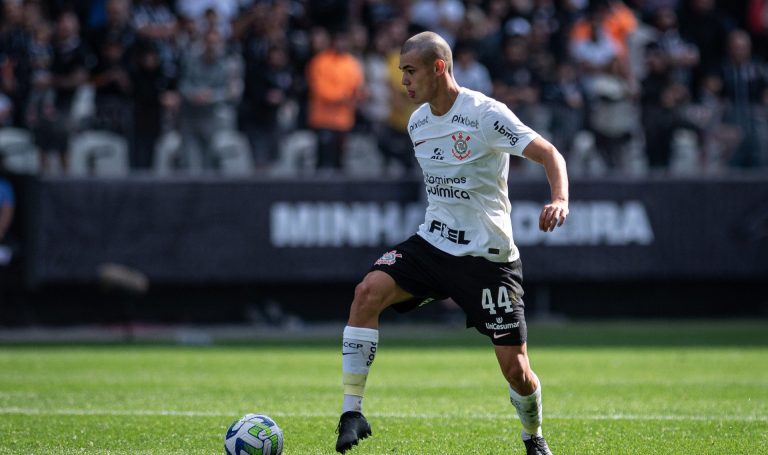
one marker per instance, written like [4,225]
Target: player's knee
[368,297]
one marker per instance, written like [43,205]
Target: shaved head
[430,46]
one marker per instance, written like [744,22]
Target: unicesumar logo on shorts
[388,258]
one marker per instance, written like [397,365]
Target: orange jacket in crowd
[335,81]
[619,23]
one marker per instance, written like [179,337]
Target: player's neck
[446,96]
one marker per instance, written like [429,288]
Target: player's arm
[543,152]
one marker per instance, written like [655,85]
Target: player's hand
[553,215]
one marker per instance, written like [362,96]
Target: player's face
[418,78]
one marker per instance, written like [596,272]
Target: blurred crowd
[639,86]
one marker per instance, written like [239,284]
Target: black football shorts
[490,293]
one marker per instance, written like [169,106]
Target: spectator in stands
[617,19]
[113,89]
[256,114]
[602,60]
[564,98]
[358,40]
[261,26]
[251,28]
[515,83]
[154,21]
[443,17]
[487,33]
[335,80]
[543,60]
[39,49]
[268,87]
[392,138]
[706,28]
[719,138]
[329,14]
[212,20]
[205,88]
[358,46]
[658,76]
[375,109]
[664,102]
[71,61]
[376,13]
[48,133]
[210,13]
[117,28]
[745,85]
[186,36]
[154,95]
[469,72]
[681,55]
[518,41]
[594,49]
[15,72]
[69,70]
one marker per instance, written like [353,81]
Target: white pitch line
[150,412]
[111,412]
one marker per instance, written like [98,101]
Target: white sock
[529,410]
[358,351]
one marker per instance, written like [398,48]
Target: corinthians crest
[460,148]
[389,258]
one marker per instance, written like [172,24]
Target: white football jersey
[464,155]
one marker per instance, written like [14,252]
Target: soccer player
[464,249]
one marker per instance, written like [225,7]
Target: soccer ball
[254,434]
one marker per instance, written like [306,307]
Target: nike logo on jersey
[496,336]
[418,143]
[347,353]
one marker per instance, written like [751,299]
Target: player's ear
[439,66]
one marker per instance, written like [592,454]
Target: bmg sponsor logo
[505,131]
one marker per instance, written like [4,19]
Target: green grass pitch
[609,388]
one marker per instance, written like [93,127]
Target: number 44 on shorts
[502,300]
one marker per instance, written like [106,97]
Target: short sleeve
[505,132]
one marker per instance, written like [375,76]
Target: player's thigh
[378,290]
